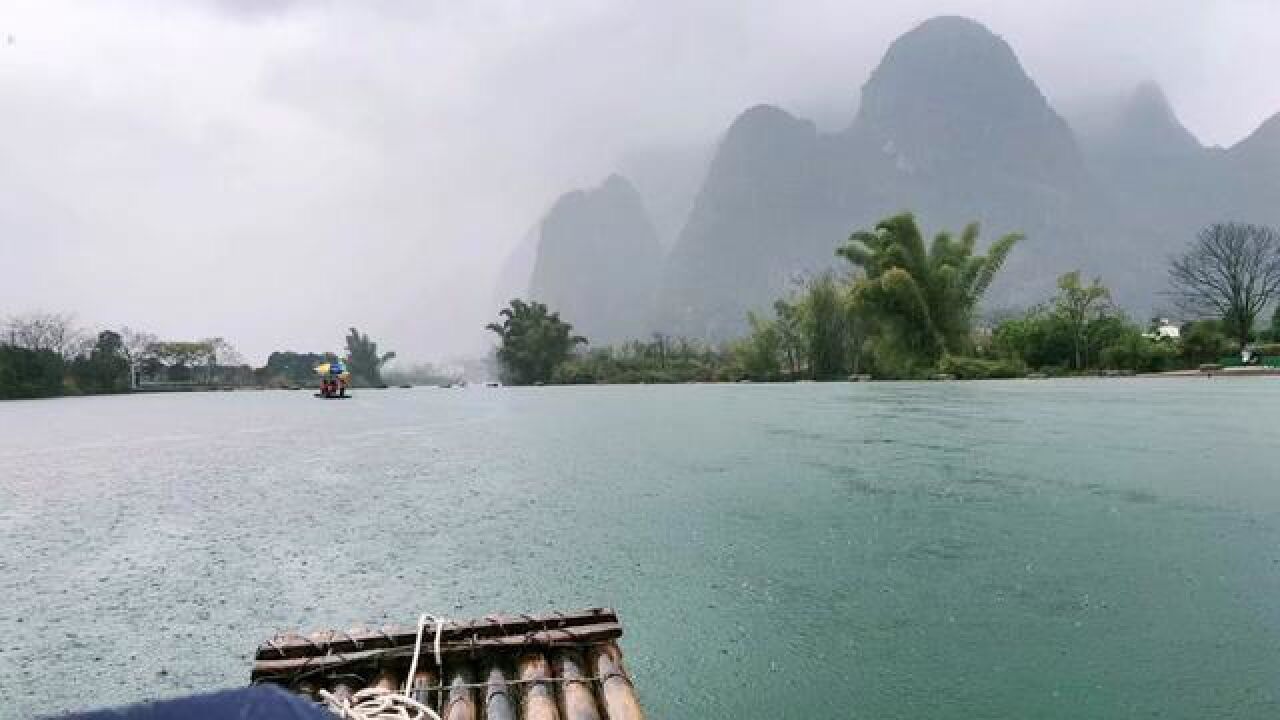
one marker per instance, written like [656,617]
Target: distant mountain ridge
[1141,125]
[598,260]
[950,126]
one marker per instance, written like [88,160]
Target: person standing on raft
[334,379]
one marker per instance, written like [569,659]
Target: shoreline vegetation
[902,308]
[907,309]
[45,355]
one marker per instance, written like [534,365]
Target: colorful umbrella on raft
[333,368]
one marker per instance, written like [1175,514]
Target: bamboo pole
[577,701]
[461,704]
[585,634]
[423,688]
[387,680]
[292,644]
[616,692]
[497,697]
[539,702]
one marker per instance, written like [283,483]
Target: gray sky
[275,171]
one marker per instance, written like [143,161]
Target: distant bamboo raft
[559,666]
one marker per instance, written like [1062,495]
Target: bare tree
[137,345]
[1232,270]
[45,331]
[217,352]
[190,356]
[224,360]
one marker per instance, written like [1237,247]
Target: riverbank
[1229,372]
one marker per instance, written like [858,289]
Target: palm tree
[926,296]
[534,342]
[363,359]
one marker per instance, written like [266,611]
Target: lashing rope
[375,703]
[381,704]
[378,704]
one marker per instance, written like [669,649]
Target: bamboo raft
[500,667]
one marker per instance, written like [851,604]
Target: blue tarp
[261,702]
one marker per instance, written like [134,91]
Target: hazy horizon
[274,172]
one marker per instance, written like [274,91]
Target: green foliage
[363,359]
[825,312]
[973,368]
[419,374]
[534,342]
[1038,339]
[1082,309]
[1132,351]
[922,299]
[29,373]
[760,353]
[1078,332]
[583,371]
[812,335]
[1271,333]
[791,339]
[1071,332]
[210,361]
[891,356]
[105,369]
[1204,341]
[909,308]
[293,368]
[661,361]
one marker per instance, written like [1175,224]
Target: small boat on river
[334,380]
[500,667]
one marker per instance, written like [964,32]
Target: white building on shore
[1164,330]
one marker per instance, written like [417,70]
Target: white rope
[377,703]
[417,648]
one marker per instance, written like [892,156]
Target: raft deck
[500,667]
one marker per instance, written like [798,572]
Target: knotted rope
[378,704]
[382,704]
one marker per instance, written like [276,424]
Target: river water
[1047,549]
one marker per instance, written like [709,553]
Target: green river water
[1022,549]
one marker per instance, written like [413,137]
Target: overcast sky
[275,171]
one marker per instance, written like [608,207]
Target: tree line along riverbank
[907,307]
[46,355]
[901,307]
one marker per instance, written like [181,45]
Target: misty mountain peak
[763,141]
[598,260]
[615,193]
[1148,125]
[1149,98]
[950,94]
[764,118]
[762,125]
[946,64]
[615,184]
